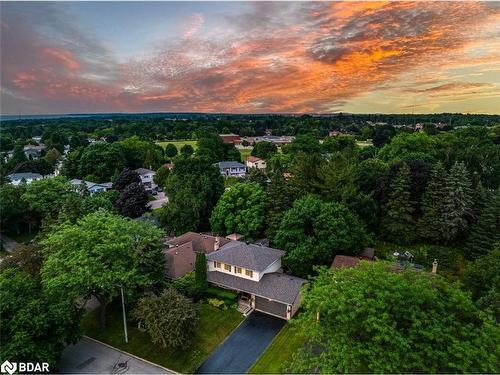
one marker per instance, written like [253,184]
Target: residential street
[160,199]
[244,346]
[91,357]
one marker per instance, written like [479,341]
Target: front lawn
[280,352]
[213,327]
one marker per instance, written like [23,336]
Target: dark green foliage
[193,188]
[170,150]
[170,318]
[41,166]
[161,175]
[140,153]
[483,280]
[264,150]
[200,270]
[100,253]
[304,143]
[335,144]
[99,159]
[312,232]
[132,200]
[126,177]
[35,326]
[240,210]
[398,222]
[378,321]
[430,225]
[278,200]
[457,203]
[486,232]
[12,208]
[45,197]
[187,150]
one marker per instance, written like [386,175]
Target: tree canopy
[375,320]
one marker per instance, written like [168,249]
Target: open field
[179,144]
[280,352]
[212,329]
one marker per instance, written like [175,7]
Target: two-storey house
[147,177]
[255,272]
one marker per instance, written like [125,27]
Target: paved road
[244,346]
[91,357]
[158,202]
[8,243]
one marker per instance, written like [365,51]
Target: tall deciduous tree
[374,320]
[264,150]
[35,326]
[126,177]
[101,253]
[45,197]
[240,209]
[398,223]
[132,201]
[170,318]
[170,150]
[312,232]
[278,199]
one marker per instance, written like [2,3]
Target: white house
[147,176]
[33,151]
[28,177]
[255,162]
[92,187]
[232,168]
[255,272]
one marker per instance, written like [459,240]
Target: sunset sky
[250,57]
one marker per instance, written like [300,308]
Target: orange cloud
[63,57]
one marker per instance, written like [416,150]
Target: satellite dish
[396,254]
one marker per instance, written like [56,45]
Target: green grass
[212,329]
[179,144]
[280,351]
[245,153]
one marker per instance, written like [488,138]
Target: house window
[249,273]
[227,267]
[237,270]
[216,264]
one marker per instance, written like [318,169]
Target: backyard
[215,324]
[280,352]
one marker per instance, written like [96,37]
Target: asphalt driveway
[88,356]
[244,346]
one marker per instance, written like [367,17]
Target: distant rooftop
[230,164]
[25,175]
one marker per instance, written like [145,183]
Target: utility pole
[124,318]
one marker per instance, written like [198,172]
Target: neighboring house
[33,151]
[255,162]
[231,139]
[180,252]
[276,139]
[146,176]
[92,187]
[169,166]
[232,168]
[255,272]
[28,177]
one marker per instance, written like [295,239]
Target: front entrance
[245,303]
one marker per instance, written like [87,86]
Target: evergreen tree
[430,226]
[398,222]
[200,269]
[457,203]
[278,201]
[486,232]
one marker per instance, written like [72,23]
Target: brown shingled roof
[180,260]
[344,261]
[201,242]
